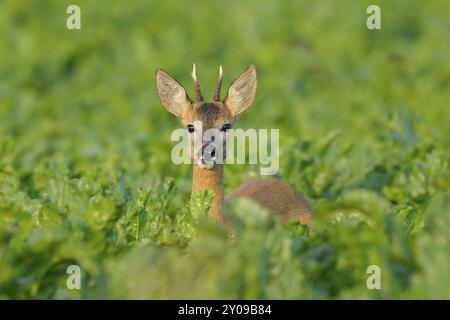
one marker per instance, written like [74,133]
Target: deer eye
[226,127]
[190,128]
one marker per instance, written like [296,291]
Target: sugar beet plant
[390,214]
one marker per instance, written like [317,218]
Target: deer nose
[207,157]
[208,151]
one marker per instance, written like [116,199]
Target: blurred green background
[85,170]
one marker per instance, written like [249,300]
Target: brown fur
[204,179]
[277,196]
[212,115]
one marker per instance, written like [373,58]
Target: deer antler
[198,92]
[219,85]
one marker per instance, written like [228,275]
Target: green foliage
[85,170]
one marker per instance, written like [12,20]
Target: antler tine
[219,85]
[198,92]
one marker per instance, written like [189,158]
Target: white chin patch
[205,165]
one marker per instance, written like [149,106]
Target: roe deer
[276,195]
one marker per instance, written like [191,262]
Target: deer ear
[172,94]
[242,91]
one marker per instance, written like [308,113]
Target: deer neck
[212,179]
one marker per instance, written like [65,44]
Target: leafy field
[86,176]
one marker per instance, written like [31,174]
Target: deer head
[217,114]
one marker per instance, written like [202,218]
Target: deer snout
[207,157]
[208,151]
